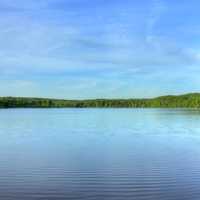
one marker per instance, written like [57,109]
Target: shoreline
[191,100]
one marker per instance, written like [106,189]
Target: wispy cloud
[64,47]
[156,11]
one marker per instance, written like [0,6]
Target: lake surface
[99,154]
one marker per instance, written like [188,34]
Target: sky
[80,49]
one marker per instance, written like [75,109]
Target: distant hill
[191,100]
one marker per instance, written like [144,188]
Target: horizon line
[102,98]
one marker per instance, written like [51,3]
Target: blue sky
[99,48]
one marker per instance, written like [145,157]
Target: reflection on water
[99,154]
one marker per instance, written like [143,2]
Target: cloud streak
[59,47]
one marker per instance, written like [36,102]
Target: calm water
[99,154]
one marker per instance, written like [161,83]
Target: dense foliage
[181,101]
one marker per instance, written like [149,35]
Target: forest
[191,100]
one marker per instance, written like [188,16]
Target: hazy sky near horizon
[99,48]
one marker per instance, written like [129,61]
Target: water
[99,154]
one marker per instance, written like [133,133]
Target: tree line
[180,101]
